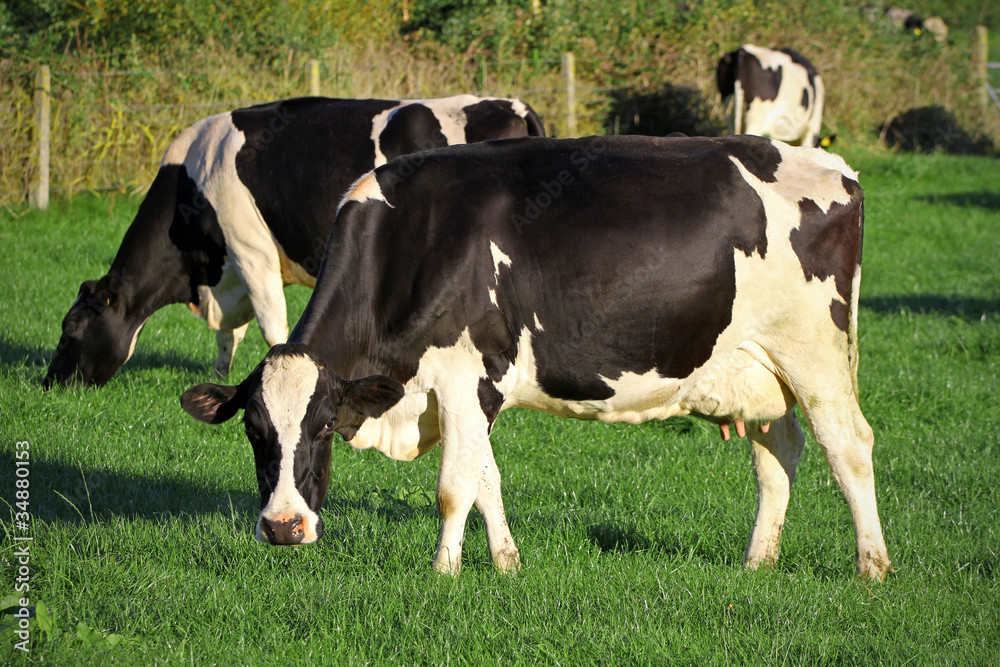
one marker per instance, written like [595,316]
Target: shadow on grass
[984,199]
[969,308]
[145,361]
[16,353]
[63,492]
[392,505]
[66,493]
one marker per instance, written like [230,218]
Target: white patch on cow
[363,189]
[519,107]
[499,257]
[405,431]
[287,384]
[208,151]
[797,176]
[135,339]
[538,323]
[450,113]
[412,426]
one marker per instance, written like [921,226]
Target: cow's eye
[328,428]
[251,431]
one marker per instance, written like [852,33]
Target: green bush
[642,66]
[43,28]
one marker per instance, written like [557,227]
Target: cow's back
[596,259]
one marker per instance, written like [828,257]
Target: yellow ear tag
[107,302]
[916,31]
[825,142]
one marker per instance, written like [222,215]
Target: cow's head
[98,335]
[292,405]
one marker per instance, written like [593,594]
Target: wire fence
[107,129]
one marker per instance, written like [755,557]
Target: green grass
[631,535]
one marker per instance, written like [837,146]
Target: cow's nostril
[265,528]
[290,531]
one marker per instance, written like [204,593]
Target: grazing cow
[776,94]
[621,279]
[937,27]
[905,19]
[242,205]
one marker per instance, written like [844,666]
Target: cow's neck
[150,271]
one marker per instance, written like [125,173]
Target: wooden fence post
[981,54]
[39,195]
[312,68]
[569,80]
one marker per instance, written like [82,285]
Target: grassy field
[631,535]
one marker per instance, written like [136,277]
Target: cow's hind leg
[228,340]
[489,502]
[847,441]
[775,457]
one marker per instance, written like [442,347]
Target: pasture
[631,536]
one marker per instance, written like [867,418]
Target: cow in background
[776,94]
[242,206]
[912,22]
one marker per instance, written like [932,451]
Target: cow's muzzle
[285,531]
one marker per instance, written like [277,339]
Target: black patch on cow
[760,158]
[299,158]
[195,231]
[411,129]
[758,82]
[829,244]
[725,73]
[840,312]
[805,98]
[498,116]
[490,400]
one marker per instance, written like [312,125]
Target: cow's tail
[534,123]
[852,316]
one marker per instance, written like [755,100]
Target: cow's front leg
[489,502]
[228,340]
[775,455]
[464,447]
[267,296]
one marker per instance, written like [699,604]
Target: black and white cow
[776,94]
[619,279]
[242,206]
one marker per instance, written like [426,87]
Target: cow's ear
[213,403]
[371,396]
